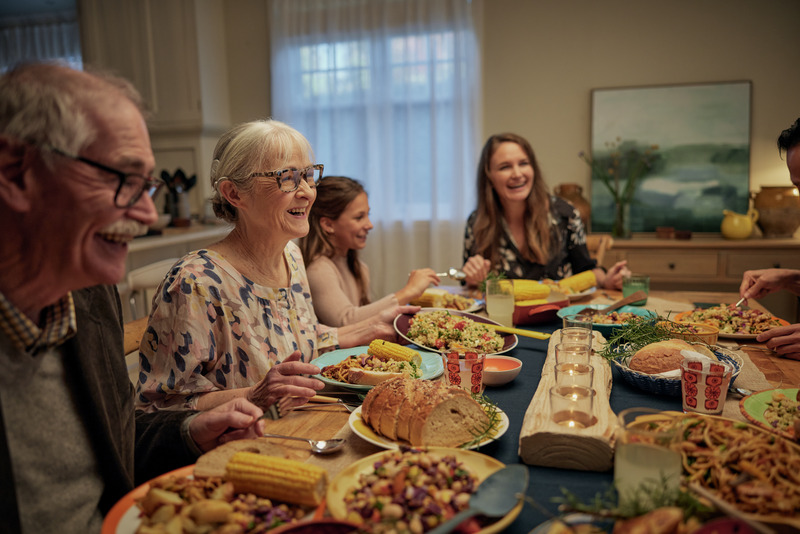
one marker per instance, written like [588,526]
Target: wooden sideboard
[709,264]
[173,243]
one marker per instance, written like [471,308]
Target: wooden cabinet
[709,264]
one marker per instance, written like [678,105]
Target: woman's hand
[760,283]
[784,340]
[418,281]
[613,278]
[477,269]
[286,380]
[236,419]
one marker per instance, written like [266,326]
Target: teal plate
[432,366]
[605,329]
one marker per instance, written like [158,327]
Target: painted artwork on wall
[697,141]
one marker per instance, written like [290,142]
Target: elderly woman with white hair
[236,318]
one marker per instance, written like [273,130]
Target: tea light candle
[574,334]
[571,406]
[573,353]
[574,374]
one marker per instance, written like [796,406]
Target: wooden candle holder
[546,443]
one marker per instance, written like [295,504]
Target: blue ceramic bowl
[605,329]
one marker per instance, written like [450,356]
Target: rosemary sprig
[486,430]
[649,496]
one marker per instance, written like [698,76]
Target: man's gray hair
[51,104]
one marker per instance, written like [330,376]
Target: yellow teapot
[737,225]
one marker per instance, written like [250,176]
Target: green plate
[432,366]
[753,407]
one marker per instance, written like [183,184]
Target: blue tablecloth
[514,398]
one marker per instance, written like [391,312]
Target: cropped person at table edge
[236,319]
[519,229]
[784,340]
[338,228]
[75,182]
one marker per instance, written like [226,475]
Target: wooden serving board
[543,442]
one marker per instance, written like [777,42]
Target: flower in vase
[620,168]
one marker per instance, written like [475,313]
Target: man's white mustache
[125,227]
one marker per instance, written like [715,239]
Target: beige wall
[542,58]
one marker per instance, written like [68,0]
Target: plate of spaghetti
[747,467]
[431,366]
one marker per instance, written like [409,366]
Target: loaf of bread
[664,356]
[423,413]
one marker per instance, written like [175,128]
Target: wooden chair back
[598,245]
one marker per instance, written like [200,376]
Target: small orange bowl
[499,370]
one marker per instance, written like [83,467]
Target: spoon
[453,273]
[318,446]
[495,497]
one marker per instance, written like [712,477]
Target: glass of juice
[646,457]
[500,301]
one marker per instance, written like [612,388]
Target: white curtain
[387,92]
[43,38]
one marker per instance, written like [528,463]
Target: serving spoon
[323,446]
[495,497]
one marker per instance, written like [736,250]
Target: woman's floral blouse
[569,257]
[213,329]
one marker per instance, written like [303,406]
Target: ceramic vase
[779,210]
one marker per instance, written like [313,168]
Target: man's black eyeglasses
[131,184]
[289,179]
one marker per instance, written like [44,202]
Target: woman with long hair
[519,229]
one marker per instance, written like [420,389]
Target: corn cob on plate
[430,365]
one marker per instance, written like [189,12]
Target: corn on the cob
[430,298]
[578,282]
[530,290]
[392,351]
[277,478]
[532,302]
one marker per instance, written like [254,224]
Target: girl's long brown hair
[488,229]
[334,194]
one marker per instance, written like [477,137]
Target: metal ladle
[323,446]
[453,273]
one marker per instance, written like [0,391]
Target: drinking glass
[500,301]
[464,369]
[646,457]
[571,406]
[704,385]
[633,283]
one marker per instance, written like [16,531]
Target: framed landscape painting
[699,139]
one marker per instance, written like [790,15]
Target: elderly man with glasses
[75,184]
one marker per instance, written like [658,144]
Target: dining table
[763,370]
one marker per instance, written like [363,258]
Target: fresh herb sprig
[649,496]
[486,430]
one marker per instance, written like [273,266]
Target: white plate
[362,430]
[401,326]
[432,365]
[582,295]
[477,305]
